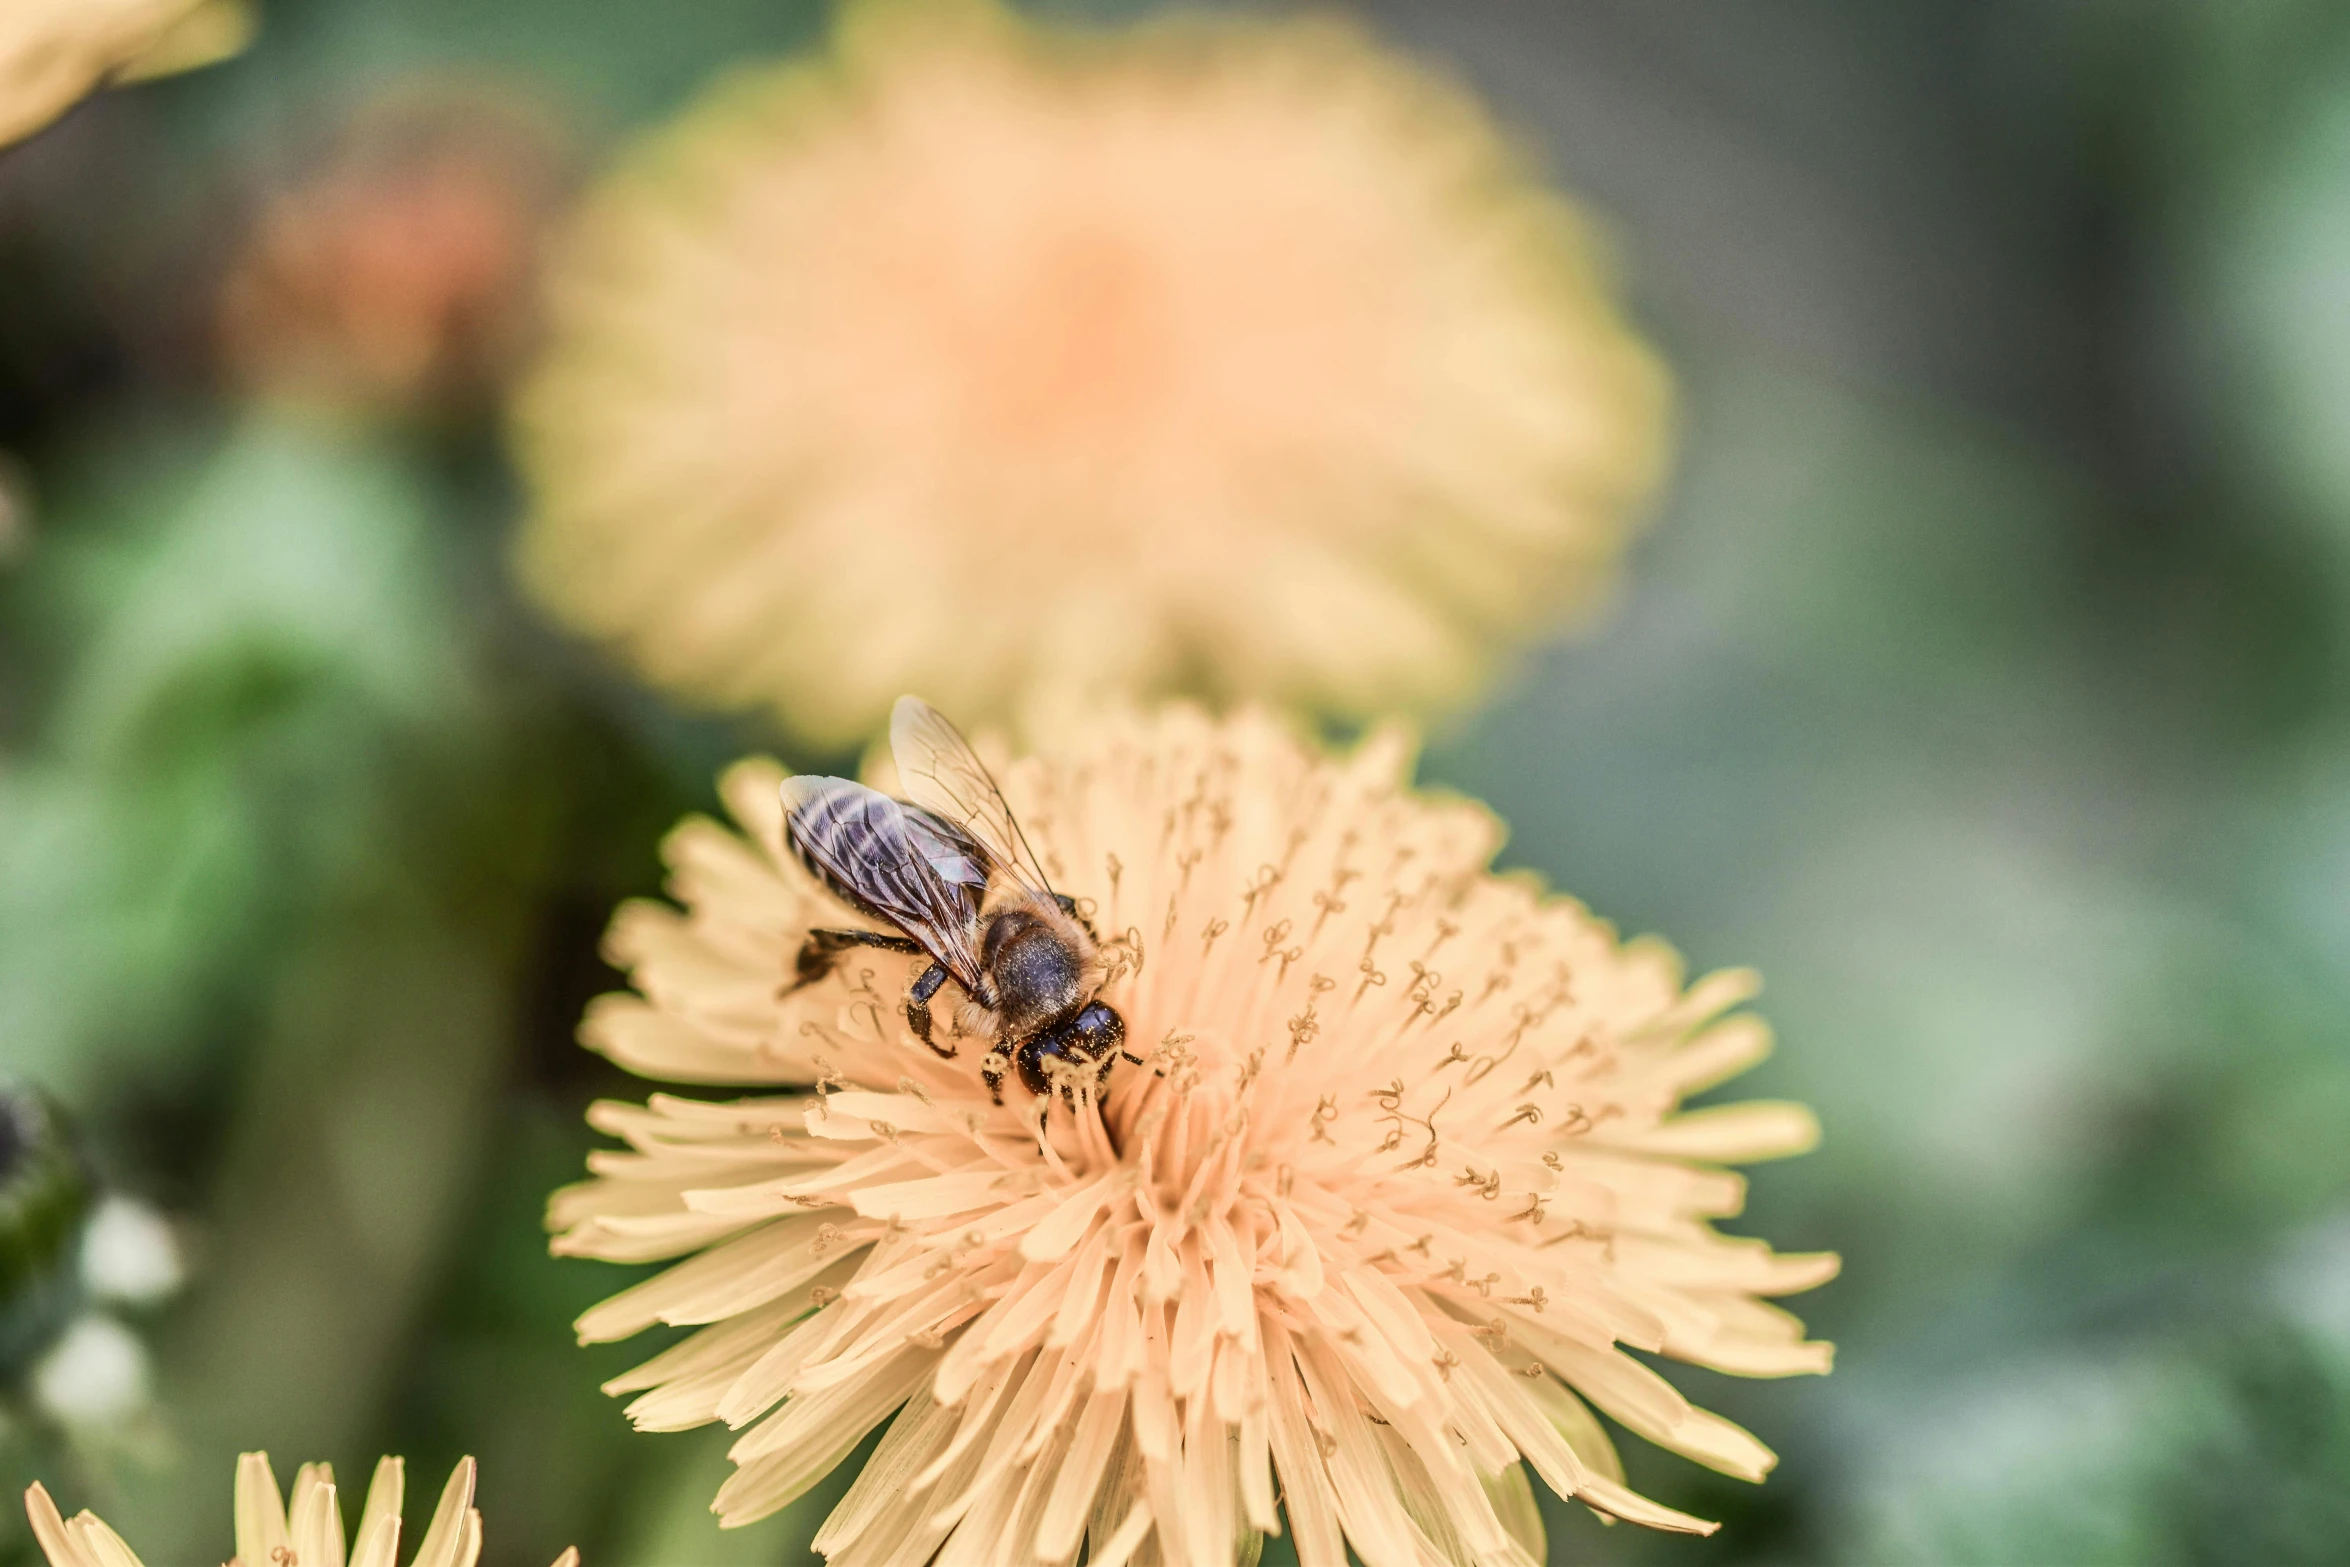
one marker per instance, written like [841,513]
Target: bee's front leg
[991,1071]
[918,1008]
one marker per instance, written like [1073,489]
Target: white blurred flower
[129,1254]
[96,1375]
[2312,1282]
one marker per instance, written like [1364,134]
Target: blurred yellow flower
[1400,1179]
[55,52]
[309,1534]
[1003,363]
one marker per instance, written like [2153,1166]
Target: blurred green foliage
[1982,683]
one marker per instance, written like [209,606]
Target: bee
[950,871]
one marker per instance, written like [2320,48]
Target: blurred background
[1982,680]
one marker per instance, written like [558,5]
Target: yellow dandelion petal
[1400,1178]
[304,1529]
[53,53]
[1215,355]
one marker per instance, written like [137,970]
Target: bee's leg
[1069,907]
[918,1006]
[991,1071]
[823,948]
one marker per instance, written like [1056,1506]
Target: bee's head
[1096,1032]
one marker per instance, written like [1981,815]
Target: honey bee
[950,871]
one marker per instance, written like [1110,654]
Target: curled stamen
[1325,905]
[1302,1029]
[1268,877]
[1445,931]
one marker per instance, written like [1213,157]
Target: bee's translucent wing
[940,773]
[893,861]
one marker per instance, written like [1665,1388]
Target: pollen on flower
[1222,355]
[1398,1179]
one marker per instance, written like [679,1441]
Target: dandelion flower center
[1399,1179]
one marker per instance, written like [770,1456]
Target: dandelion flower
[307,1534]
[55,52]
[1233,357]
[1399,1185]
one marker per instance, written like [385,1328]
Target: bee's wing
[894,862]
[939,772]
